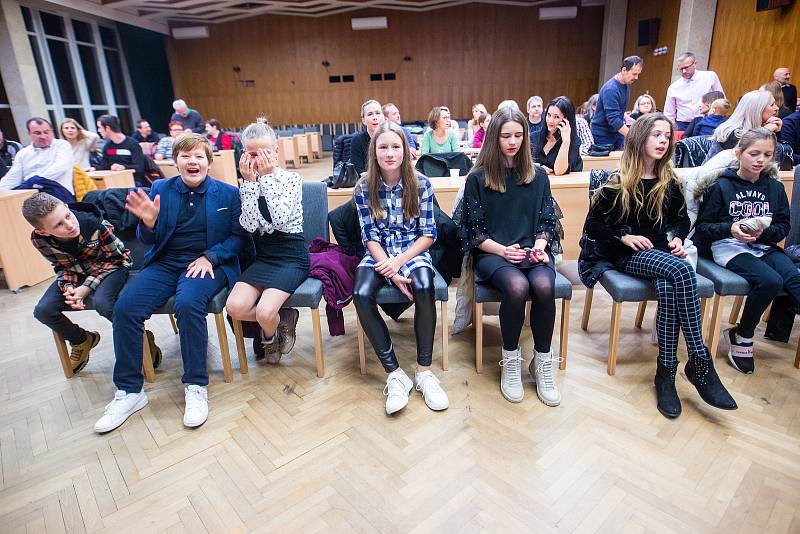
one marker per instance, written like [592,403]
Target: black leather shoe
[703,376]
[668,402]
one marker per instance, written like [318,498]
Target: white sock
[740,339]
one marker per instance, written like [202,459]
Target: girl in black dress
[557,147]
[628,221]
[509,221]
[272,210]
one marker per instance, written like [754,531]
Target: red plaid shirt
[97,256]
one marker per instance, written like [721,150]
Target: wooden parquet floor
[286,451]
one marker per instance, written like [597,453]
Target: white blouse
[81,150]
[283,192]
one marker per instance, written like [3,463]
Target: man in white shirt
[685,94]
[44,159]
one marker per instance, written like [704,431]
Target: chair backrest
[691,151]
[597,179]
[437,165]
[315,211]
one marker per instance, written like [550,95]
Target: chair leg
[736,309]
[797,356]
[616,312]
[317,327]
[640,313]
[528,313]
[147,361]
[713,328]
[222,334]
[362,359]
[173,323]
[703,318]
[240,350]
[63,355]
[478,320]
[765,317]
[445,336]
[564,338]
[587,308]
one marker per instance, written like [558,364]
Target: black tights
[367,284]
[517,285]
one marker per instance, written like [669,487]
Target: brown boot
[288,329]
[79,356]
[272,351]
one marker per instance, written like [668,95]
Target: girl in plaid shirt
[395,209]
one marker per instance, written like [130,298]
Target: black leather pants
[367,284]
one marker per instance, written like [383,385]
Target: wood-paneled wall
[658,70]
[463,55]
[748,46]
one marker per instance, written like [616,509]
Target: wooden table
[223,168]
[602,162]
[112,179]
[21,263]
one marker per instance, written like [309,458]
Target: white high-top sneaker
[511,376]
[398,386]
[542,368]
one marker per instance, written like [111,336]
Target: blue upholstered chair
[486,293]
[391,295]
[309,294]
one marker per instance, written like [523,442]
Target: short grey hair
[179,104]
[685,56]
[533,99]
[508,104]
[258,130]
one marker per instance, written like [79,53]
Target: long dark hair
[567,109]
[491,159]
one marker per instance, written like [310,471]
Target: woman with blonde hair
[83,142]
[371,117]
[775,89]
[644,104]
[630,221]
[754,110]
[474,124]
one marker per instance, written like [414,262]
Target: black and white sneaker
[740,355]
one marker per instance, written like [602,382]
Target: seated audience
[508,223]
[91,266]
[588,108]
[782,75]
[608,122]
[743,217]
[717,114]
[629,224]
[189,118]
[120,151]
[272,211]
[643,105]
[8,150]
[790,135]
[391,113]
[395,209]
[45,164]
[474,124]
[453,124]
[483,119]
[755,109]
[219,140]
[371,117]
[164,147]
[777,92]
[439,138]
[535,108]
[83,142]
[558,148]
[192,223]
[705,106]
[144,133]
[584,134]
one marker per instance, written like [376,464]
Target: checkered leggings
[678,305]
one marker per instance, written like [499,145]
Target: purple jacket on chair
[336,270]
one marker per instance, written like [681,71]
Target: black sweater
[604,224]
[731,198]
[359,149]
[128,153]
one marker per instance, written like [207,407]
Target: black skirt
[282,262]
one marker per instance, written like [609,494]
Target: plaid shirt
[101,254]
[393,233]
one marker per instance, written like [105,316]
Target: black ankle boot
[701,373]
[668,402]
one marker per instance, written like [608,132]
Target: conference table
[223,167]
[21,263]
[113,179]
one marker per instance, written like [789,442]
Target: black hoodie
[731,198]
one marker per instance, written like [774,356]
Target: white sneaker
[196,411]
[431,390]
[398,386]
[118,410]
[511,376]
[541,367]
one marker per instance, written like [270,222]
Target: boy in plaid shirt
[90,262]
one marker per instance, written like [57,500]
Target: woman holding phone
[557,147]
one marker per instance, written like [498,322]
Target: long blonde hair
[491,159]
[631,169]
[746,116]
[472,122]
[70,120]
[408,176]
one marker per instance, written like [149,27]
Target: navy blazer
[225,235]
[790,134]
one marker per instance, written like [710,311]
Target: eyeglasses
[687,67]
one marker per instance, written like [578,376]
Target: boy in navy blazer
[192,222]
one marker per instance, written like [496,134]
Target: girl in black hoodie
[743,217]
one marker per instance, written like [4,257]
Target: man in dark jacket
[190,118]
[790,134]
